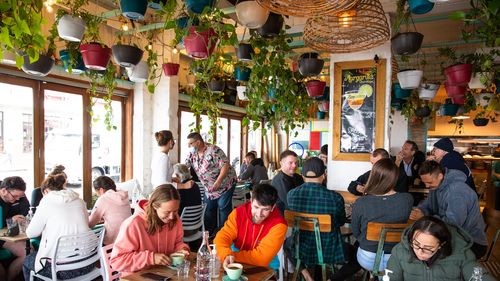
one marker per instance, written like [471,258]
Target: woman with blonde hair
[149,236]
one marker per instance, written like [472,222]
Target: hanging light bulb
[150,46]
[175,50]
[124,26]
[345,18]
[48,5]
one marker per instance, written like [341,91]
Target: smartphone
[154,276]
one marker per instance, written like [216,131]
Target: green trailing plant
[488,114]
[21,29]
[481,22]
[106,83]
[92,34]
[271,73]
[403,15]
[459,125]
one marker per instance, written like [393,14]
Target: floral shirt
[208,168]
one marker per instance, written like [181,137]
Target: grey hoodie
[456,203]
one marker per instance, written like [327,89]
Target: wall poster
[359,100]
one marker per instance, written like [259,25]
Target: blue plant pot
[197,6]
[271,93]
[449,109]
[400,93]
[420,6]
[75,69]
[397,104]
[134,9]
[321,114]
[182,22]
[241,73]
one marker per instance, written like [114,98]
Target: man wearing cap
[448,158]
[314,198]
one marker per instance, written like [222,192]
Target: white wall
[341,173]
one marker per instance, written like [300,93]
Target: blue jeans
[366,259]
[224,206]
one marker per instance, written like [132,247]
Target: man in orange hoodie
[256,230]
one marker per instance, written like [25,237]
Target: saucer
[173,267]
[242,278]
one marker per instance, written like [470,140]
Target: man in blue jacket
[451,200]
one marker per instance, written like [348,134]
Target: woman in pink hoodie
[149,236]
[112,206]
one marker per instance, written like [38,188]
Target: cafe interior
[87,83]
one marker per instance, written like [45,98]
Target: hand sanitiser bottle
[386,276]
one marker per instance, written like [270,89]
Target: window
[1,131]
[187,123]
[16,155]
[222,134]
[235,144]
[254,139]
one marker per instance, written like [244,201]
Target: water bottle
[203,258]
[477,274]
[214,264]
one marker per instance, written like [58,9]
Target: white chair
[108,273]
[74,252]
[192,219]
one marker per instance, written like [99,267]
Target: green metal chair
[382,232]
[492,219]
[309,222]
[5,254]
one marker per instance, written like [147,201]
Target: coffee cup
[177,258]
[234,270]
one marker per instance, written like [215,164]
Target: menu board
[358,108]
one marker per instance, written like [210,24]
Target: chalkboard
[358,110]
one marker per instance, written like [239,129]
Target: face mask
[193,149]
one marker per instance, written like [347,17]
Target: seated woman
[381,204]
[150,235]
[432,250]
[256,171]
[61,212]
[112,206]
[36,194]
[189,196]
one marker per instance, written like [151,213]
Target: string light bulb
[175,50]
[48,5]
[345,18]
[124,26]
[150,46]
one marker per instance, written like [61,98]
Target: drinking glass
[183,269]
[10,223]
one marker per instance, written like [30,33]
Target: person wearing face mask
[218,177]
[161,167]
[286,179]
[151,234]
[432,250]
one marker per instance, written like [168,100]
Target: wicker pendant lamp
[307,8]
[363,27]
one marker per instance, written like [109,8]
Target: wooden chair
[382,232]
[316,223]
[75,252]
[192,218]
[492,219]
[108,273]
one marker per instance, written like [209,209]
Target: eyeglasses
[17,198]
[425,251]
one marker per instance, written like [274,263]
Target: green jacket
[458,266]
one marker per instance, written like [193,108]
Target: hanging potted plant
[457,73]
[250,14]
[287,110]
[95,55]
[315,88]
[170,68]
[126,55]
[71,25]
[241,90]
[483,117]
[409,78]
[241,73]
[45,62]
[310,64]
[138,73]
[273,26]
[449,108]
[454,91]
[244,52]
[198,6]
[426,90]
[134,9]
[400,93]
[483,99]
[420,7]
[72,59]
[405,43]
[157,4]
[482,68]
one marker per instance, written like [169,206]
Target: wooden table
[18,238]
[418,190]
[349,198]
[260,274]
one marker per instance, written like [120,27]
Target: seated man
[286,179]
[314,198]
[14,205]
[409,160]
[357,187]
[451,200]
[256,229]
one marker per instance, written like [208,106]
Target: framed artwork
[359,101]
